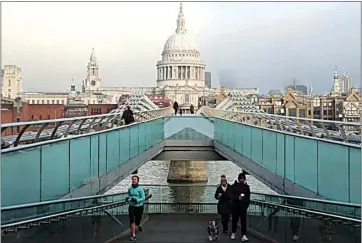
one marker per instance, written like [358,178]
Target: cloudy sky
[264,45]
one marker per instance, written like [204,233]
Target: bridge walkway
[183,228]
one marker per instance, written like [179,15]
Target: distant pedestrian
[136,198]
[127,116]
[294,221]
[192,109]
[175,107]
[240,200]
[180,112]
[96,218]
[223,205]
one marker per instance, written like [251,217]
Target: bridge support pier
[187,171]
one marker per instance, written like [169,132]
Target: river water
[153,175]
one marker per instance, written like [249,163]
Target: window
[48,117]
[38,101]
[33,101]
[62,101]
[53,101]
[43,101]
[9,82]
[48,102]
[292,112]
[187,98]
[32,117]
[325,112]
[9,90]
[57,101]
[40,117]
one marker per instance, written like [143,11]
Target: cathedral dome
[181,42]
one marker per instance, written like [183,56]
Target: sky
[263,45]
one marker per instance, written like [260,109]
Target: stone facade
[11,81]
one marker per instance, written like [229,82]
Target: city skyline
[247,45]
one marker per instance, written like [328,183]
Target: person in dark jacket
[175,107]
[223,205]
[240,200]
[127,116]
[192,109]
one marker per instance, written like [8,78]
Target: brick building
[97,109]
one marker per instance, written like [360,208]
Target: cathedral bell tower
[92,82]
[336,86]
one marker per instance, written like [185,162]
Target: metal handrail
[295,125]
[78,136]
[74,125]
[288,117]
[58,201]
[15,124]
[266,194]
[60,215]
[308,211]
[301,211]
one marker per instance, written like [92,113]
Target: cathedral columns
[182,72]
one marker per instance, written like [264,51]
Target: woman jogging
[136,198]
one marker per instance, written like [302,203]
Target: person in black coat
[127,116]
[240,200]
[175,107]
[223,205]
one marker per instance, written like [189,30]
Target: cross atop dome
[181,22]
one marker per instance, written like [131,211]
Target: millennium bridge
[54,177]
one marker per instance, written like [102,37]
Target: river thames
[155,173]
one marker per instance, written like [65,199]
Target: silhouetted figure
[294,222]
[175,107]
[127,116]
[192,109]
[180,112]
[96,218]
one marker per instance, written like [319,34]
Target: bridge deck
[181,229]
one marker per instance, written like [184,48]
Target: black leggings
[135,214]
[225,221]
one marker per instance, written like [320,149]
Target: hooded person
[223,205]
[240,199]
